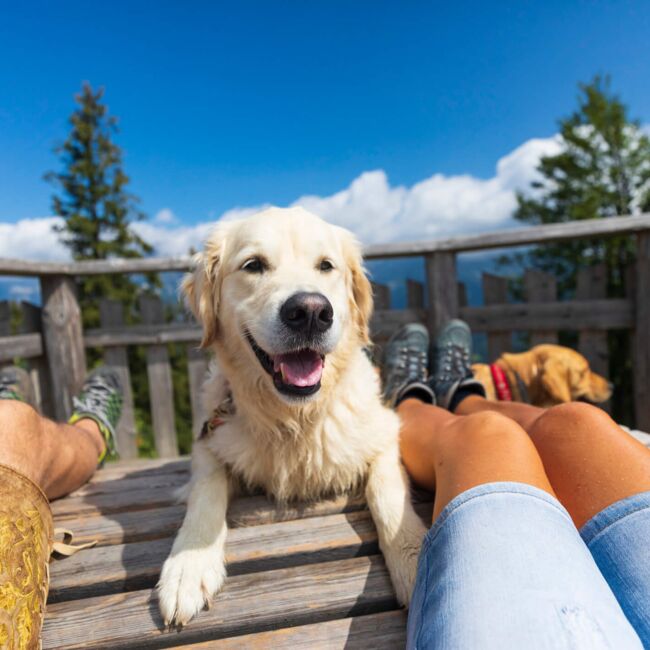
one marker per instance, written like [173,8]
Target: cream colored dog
[284,304]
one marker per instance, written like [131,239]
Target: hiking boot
[100,400]
[451,374]
[16,384]
[405,366]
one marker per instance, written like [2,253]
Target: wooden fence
[52,341]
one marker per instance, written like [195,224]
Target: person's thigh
[618,538]
[504,567]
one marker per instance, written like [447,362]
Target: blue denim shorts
[504,567]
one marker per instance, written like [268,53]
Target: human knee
[18,421]
[571,420]
[492,425]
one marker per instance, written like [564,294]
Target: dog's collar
[508,389]
[219,417]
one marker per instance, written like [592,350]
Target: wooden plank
[442,290]
[385,631]
[20,345]
[462,294]
[122,468]
[111,569]
[248,603]
[540,287]
[31,322]
[381,295]
[161,391]
[387,321]
[111,314]
[157,334]
[495,292]
[197,366]
[548,233]
[63,341]
[414,294]
[642,333]
[569,315]
[592,284]
[5,318]
[135,526]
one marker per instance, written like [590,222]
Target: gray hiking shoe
[100,400]
[405,366]
[15,384]
[451,373]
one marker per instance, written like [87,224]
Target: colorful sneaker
[100,400]
[15,384]
[451,373]
[405,366]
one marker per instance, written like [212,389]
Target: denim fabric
[619,539]
[504,567]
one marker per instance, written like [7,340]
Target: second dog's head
[281,296]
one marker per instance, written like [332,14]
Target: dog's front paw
[402,560]
[187,582]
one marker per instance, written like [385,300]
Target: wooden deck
[301,577]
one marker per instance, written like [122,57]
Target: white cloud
[370,206]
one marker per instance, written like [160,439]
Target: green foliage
[94,201]
[603,171]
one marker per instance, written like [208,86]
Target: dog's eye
[325,266]
[253,265]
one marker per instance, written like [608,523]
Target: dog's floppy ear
[201,287]
[360,289]
[555,380]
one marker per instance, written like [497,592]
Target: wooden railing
[52,341]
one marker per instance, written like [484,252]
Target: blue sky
[226,105]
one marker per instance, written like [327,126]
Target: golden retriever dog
[285,304]
[544,376]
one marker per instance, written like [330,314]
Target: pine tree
[95,204]
[603,171]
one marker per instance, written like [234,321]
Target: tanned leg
[59,458]
[451,454]
[590,461]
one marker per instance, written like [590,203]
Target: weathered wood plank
[5,332]
[138,465]
[63,341]
[273,599]
[155,523]
[385,631]
[381,295]
[111,569]
[20,345]
[540,287]
[495,292]
[161,390]
[592,284]
[157,334]
[642,333]
[387,321]
[442,289]
[462,294]
[31,323]
[111,313]
[197,366]
[414,294]
[573,315]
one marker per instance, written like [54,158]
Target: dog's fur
[339,439]
[552,374]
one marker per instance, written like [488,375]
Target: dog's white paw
[402,560]
[188,581]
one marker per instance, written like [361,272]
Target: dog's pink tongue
[304,368]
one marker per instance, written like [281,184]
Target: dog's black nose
[307,313]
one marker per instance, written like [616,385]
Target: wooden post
[462,294]
[495,292]
[642,333]
[63,341]
[381,295]
[111,313]
[161,390]
[197,366]
[592,285]
[40,373]
[5,323]
[414,294]
[442,289]
[540,287]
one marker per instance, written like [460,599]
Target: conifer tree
[94,202]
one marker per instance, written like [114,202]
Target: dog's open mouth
[295,373]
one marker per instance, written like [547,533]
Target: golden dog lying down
[544,376]
[284,304]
